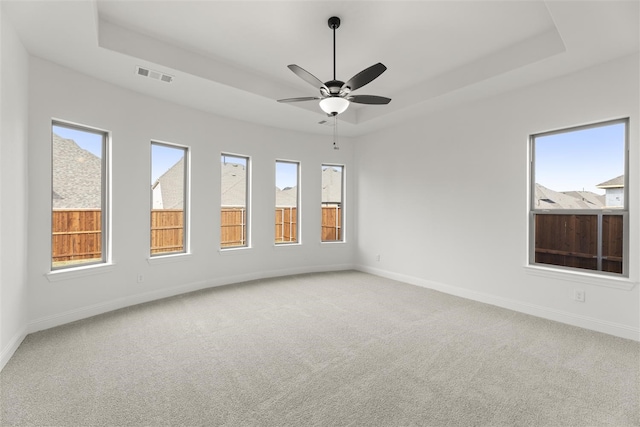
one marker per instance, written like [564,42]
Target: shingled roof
[77,176]
[234,185]
[171,185]
[546,198]
[617,182]
[331,185]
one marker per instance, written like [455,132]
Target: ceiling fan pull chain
[335,132]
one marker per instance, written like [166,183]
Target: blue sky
[580,159]
[89,141]
[566,161]
[163,157]
[286,174]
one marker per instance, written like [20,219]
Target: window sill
[234,251]
[622,283]
[75,272]
[286,245]
[165,259]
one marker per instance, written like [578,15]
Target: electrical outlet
[579,295]
[378,257]
[140,278]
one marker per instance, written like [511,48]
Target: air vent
[155,75]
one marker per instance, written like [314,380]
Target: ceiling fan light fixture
[334,105]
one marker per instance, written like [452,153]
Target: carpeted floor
[329,349]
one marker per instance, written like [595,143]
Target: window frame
[600,213]
[247,207]
[342,202]
[298,240]
[105,197]
[186,240]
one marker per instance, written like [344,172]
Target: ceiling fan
[335,95]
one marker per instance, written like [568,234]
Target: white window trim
[106,210]
[342,205]
[187,202]
[621,281]
[247,207]
[298,242]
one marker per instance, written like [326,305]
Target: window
[287,202]
[169,191]
[579,213]
[332,208]
[234,195]
[79,199]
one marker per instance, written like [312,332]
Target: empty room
[318,213]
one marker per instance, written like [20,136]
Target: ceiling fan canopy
[335,95]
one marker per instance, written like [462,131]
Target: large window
[579,213]
[287,194]
[234,196]
[169,192]
[79,199]
[332,203]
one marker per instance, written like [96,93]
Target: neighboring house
[77,176]
[233,185]
[331,187]
[168,190]
[546,198]
[287,197]
[614,192]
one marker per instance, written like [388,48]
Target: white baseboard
[611,328]
[118,303]
[11,347]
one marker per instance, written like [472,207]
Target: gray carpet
[330,349]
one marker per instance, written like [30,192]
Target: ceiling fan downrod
[334,23]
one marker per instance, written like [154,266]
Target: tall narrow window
[169,168]
[287,175]
[579,211]
[78,196]
[234,196]
[332,203]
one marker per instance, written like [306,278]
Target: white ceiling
[230,57]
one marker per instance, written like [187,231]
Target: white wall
[443,200]
[14,91]
[135,120]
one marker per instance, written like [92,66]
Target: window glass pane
[78,182]
[580,169]
[579,175]
[567,240]
[612,243]
[286,202]
[168,172]
[332,185]
[234,190]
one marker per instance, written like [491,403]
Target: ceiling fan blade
[365,76]
[304,98]
[307,76]
[369,99]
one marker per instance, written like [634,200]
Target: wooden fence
[233,227]
[77,236]
[331,223]
[572,241]
[77,233]
[167,230]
